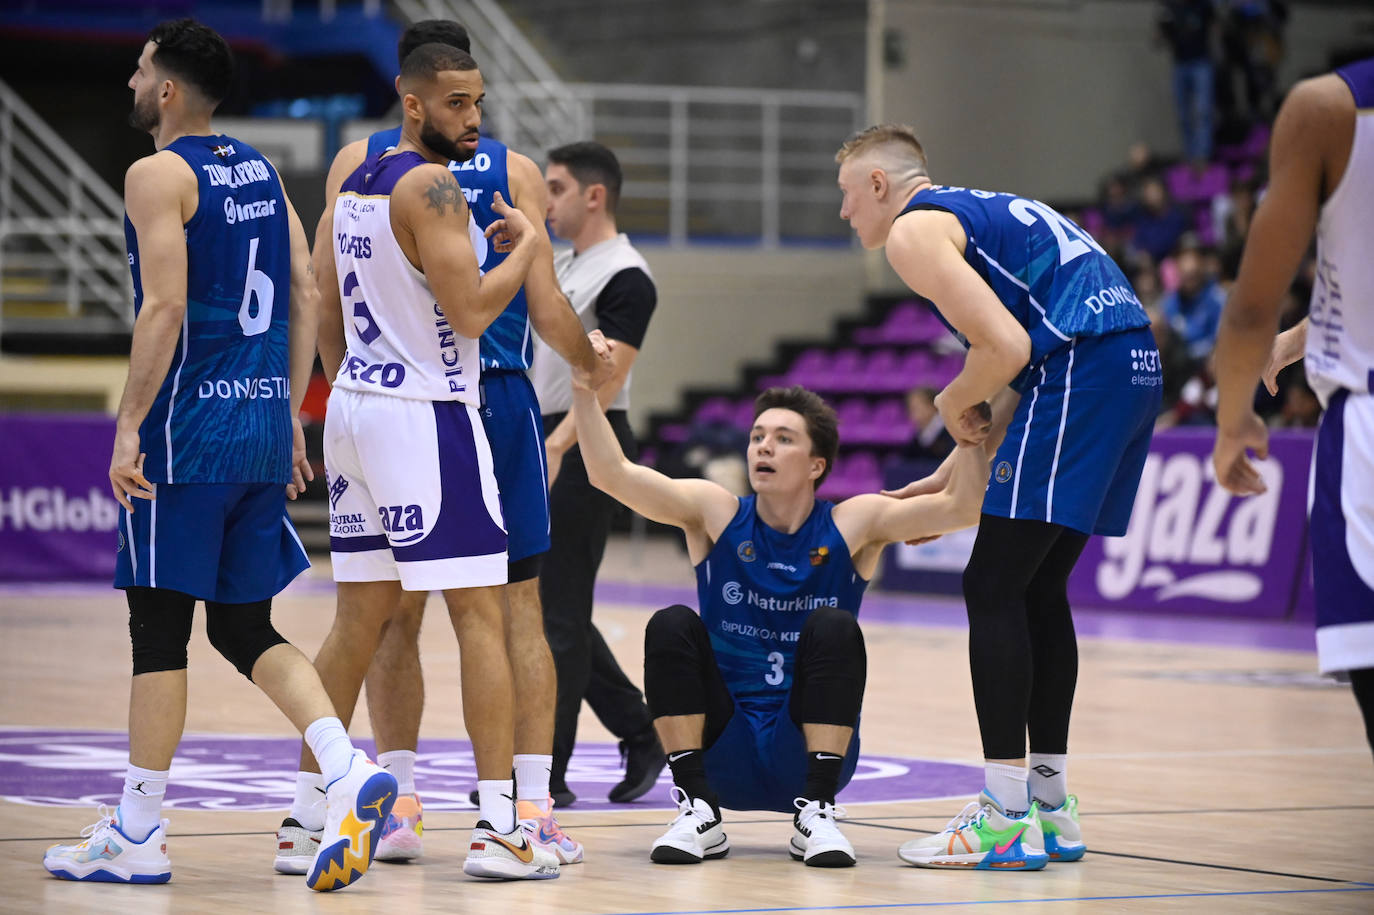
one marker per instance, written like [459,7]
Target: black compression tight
[1023,654]
[1362,681]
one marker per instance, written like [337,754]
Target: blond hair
[893,147]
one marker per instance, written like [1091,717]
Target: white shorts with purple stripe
[412,494]
[1341,500]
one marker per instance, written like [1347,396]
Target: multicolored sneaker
[1063,837]
[109,855]
[695,835]
[816,838]
[544,831]
[982,836]
[359,803]
[401,838]
[508,856]
[296,847]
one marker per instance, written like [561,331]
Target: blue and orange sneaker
[1063,837]
[544,831]
[359,803]
[982,836]
[109,855]
[402,835]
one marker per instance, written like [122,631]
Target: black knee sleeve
[524,569]
[681,676]
[241,632]
[159,628]
[831,669]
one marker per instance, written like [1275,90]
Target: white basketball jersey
[399,341]
[1340,333]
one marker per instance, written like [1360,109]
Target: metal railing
[717,162]
[550,117]
[61,226]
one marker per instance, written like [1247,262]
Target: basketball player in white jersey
[413,496]
[1321,167]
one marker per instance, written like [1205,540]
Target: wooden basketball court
[1214,771]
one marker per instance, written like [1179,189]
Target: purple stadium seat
[810,369]
[889,423]
[715,410]
[917,368]
[846,371]
[882,365]
[743,417]
[1188,186]
[853,416]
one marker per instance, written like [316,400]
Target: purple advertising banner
[57,514]
[1192,547]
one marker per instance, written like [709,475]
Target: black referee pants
[580,518]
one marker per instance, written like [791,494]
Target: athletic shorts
[510,416]
[231,543]
[1080,435]
[759,760]
[412,495]
[1341,501]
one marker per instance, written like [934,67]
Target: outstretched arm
[701,508]
[875,520]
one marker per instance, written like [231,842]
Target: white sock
[309,808]
[333,750]
[140,808]
[400,763]
[1048,783]
[532,777]
[1007,786]
[495,804]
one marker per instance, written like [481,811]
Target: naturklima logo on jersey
[734,594]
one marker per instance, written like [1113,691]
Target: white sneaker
[296,847]
[358,804]
[816,839]
[508,856]
[1063,836]
[694,835]
[109,856]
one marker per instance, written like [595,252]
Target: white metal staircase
[61,233]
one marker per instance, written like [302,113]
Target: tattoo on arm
[444,192]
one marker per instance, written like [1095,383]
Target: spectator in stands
[1161,222]
[1194,308]
[1186,27]
[1177,366]
[1231,214]
[932,440]
[1251,44]
[1301,409]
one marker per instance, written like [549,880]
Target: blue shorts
[510,415]
[1078,441]
[759,760]
[231,543]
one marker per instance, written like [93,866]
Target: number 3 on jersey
[775,674]
[259,284]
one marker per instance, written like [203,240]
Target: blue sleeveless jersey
[1049,273]
[758,585]
[506,343]
[223,414]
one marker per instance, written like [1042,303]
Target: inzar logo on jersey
[254,209]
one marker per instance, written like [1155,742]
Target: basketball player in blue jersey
[1060,345]
[510,415]
[1321,168]
[757,699]
[207,448]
